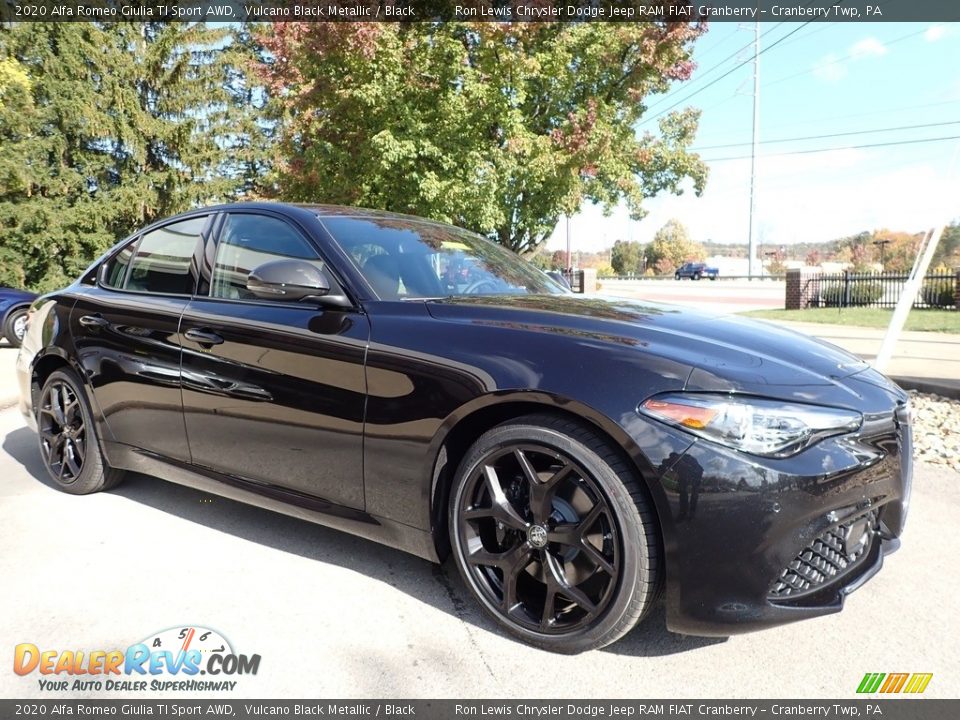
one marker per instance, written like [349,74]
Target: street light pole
[569,266]
[751,241]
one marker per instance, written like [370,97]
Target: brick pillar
[956,290]
[803,288]
[589,280]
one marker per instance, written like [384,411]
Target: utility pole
[882,244]
[569,266]
[751,244]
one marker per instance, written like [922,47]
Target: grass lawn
[930,320]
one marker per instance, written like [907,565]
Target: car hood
[724,352]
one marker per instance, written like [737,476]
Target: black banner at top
[479,10]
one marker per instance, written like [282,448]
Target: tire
[714,276]
[14,326]
[544,508]
[68,441]
[696,276]
[676,276]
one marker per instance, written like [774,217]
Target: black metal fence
[883,290]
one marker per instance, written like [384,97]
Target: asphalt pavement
[335,616]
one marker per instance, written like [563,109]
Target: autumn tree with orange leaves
[500,128]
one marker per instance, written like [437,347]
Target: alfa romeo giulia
[421,386]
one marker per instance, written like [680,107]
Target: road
[731,295]
[335,616]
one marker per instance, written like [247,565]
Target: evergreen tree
[120,124]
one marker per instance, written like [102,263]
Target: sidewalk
[924,361]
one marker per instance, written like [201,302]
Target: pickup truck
[696,271]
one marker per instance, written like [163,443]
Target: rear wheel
[696,276]
[553,534]
[68,441]
[15,326]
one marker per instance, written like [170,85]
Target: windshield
[408,259]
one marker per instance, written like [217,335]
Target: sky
[826,78]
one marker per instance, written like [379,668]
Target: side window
[248,241]
[117,268]
[164,262]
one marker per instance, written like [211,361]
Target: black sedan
[420,386]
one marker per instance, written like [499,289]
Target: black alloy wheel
[542,537]
[68,443]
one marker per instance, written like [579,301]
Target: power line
[830,135]
[718,65]
[729,72]
[882,111]
[702,75]
[846,57]
[847,147]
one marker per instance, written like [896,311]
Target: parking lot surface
[335,616]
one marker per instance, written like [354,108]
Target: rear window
[164,261]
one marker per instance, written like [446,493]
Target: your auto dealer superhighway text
[614,710]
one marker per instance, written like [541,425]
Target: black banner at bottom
[900,709]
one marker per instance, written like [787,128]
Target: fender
[435,485]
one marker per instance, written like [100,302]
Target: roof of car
[319,209]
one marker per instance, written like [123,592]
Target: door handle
[93,321]
[203,337]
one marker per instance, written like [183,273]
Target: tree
[671,247]
[626,257]
[948,251]
[901,252]
[12,77]
[500,128]
[814,258]
[122,123]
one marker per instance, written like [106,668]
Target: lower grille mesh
[822,561]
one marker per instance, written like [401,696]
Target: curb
[948,388]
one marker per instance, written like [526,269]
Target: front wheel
[677,276]
[68,440]
[553,534]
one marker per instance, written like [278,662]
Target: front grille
[822,561]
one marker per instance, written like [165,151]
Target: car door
[124,329]
[273,390]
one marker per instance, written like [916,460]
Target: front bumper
[752,542]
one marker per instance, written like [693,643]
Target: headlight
[760,427]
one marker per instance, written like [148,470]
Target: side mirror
[102,272]
[289,280]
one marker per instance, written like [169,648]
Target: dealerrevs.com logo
[171,660]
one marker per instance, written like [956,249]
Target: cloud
[833,68]
[868,47]
[935,32]
[830,69]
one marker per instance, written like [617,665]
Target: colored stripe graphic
[870,682]
[914,683]
[918,682]
[894,682]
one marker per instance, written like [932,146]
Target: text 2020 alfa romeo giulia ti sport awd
[418,385]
